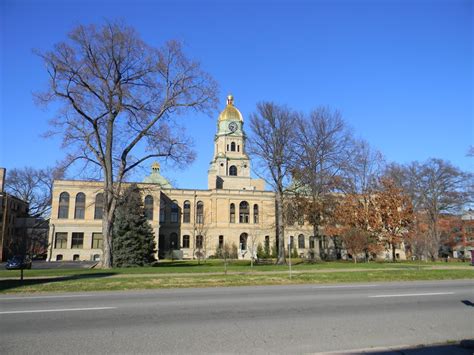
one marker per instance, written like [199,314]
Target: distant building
[11,210]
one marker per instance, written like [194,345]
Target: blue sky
[401,72]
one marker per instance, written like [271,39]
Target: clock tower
[230,166]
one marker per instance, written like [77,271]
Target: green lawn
[211,274]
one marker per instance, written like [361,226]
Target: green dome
[156,178]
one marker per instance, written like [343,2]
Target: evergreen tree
[133,239]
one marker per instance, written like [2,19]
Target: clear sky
[401,72]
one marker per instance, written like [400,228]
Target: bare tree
[34,186]
[118,97]
[323,152]
[271,140]
[435,187]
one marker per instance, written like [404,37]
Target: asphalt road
[273,319]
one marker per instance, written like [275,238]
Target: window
[238,148]
[199,241]
[311,242]
[243,241]
[221,242]
[60,241]
[162,211]
[232,213]
[292,242]
[59,257]
[290,216]
[301,219]
[149,207]
[63,211]
[267,243]
[75,257]
[174,242]
[200,212]
[232,147]
[233,170]
[301,241]
[244,212]
[255,213]
[185,241]
[99,206]
[80,206]
[187,212]
[97,241]
[227,147]
[77,240]
[174,212]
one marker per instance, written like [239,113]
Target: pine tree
[133,239]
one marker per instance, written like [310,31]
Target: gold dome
[230,113]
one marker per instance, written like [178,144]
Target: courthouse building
[235,210]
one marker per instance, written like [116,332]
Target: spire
[230,100]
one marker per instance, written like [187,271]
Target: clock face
[233,126]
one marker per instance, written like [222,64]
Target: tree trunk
[317,251]
[394,257]
[280,228]
[107,229]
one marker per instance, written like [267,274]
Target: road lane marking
[413,294]
[346,286]
[58,310]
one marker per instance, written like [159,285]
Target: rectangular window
[185,241]
[311,242]
[60,241]
[97,241]
[221,242]
[77,240]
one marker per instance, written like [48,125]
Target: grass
[211,274]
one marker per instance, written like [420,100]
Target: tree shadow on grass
[16,284]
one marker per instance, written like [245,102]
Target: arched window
[301,241]
[233,170]
[232,147]
[99,206]
[162,210]
[174,241]
[244,212]
[149,207]
[232,213]
[185,241]
[59,257]
[200,212]
[174,212]
[63,211]
[199,241]
[187,212]
[243,241]
[80,206]
[255,213]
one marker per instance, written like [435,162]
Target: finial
[155,167]
[230,100]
